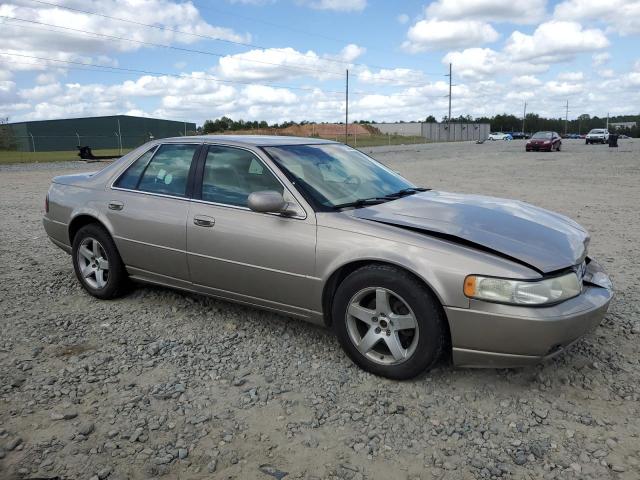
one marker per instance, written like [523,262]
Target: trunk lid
[78,179]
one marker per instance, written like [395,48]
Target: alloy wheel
[93,263]
[382,326]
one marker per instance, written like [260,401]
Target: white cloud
[387,76]
[195,98]
[555,41]
[402,18]
[571,76]
[349,53]
[337,5]
[258,94]
[600,58]
[623,16]
[556,88]
[488,10]
[439,34]
[478,63]
[281,63]
[252,2]
[526,81]
[40,92]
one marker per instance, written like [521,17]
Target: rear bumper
[58,233]
[493,335]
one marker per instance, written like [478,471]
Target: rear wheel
[97,263]
[388,322]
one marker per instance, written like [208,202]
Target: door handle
[115,205]
[203,221]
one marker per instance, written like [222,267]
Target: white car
[597,135]
[499,136]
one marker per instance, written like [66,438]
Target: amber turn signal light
[470,286]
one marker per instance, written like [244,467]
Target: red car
[544,141]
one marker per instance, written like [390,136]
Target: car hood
[536,237]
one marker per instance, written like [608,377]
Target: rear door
[261,258]
[148,210]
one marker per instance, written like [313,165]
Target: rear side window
[168,171]
[129,179]
[232,174]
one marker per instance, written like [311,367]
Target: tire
[405,339]
[104,276]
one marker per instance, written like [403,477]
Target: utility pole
[607,120]
[119,136]
[524,115]
[449,117]
[346,110]
[566,119]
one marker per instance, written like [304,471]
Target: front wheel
[388,322]
[97,263]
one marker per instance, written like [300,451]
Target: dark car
[519,135]
[544,141]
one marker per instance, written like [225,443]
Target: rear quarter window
[129,179]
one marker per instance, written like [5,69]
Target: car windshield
[335,176]
[544,135]
[596,131]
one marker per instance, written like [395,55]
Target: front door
[148,208]
[261,258]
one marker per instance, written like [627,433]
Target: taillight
[46,204]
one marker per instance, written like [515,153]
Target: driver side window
[232,174]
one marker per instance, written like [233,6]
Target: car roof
[250,140]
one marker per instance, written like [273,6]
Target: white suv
[597,135]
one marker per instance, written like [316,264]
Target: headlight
[518,292]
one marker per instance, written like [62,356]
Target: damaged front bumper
[497,335]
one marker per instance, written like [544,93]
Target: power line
[150,72]
[200,35]
[38,26]
[163,45]
[203,77]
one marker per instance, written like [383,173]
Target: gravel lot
[166,383]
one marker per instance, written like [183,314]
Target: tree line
[502,122]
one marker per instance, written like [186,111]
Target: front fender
[338,249]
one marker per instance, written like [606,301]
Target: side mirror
[269,201]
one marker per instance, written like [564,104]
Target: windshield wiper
[363,202]
[406,191]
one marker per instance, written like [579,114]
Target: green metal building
[112,132]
